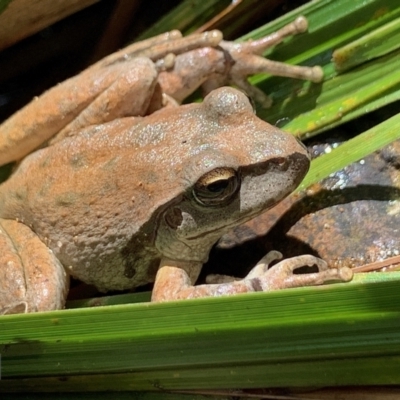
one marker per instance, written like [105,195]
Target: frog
[129,202]
[142,197]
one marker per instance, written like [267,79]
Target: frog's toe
[20,307]
[31,278]
[262,265]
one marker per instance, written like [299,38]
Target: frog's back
[94,200]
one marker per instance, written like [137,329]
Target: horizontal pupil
[218,186]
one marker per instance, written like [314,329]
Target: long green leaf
[120,396]
[282,338]
[375,44]
[353,150]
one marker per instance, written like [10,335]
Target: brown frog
[142,199]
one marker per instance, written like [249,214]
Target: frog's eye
[217,187]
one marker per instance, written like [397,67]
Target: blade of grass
[352,150]
[344,94]
[140,297]
[375,44]
[282,338]
[120,396]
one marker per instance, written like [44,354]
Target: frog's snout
[300,164]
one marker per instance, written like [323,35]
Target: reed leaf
[282,338]
[353,150]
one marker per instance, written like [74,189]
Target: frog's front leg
[31,277]
[173,281]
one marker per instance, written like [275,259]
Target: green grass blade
[120,396]
[372,45]
[353,150]
[282,338]
[348,93]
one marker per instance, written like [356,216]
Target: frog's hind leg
[258,46]
[31,278]
[247,60]
[255,64]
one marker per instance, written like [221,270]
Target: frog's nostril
[280,161]
[279,164]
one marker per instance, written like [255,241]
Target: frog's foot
[219,63]
[31,278]
[257,64]
[247,60]
[173,282]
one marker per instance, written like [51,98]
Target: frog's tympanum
[129,187]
